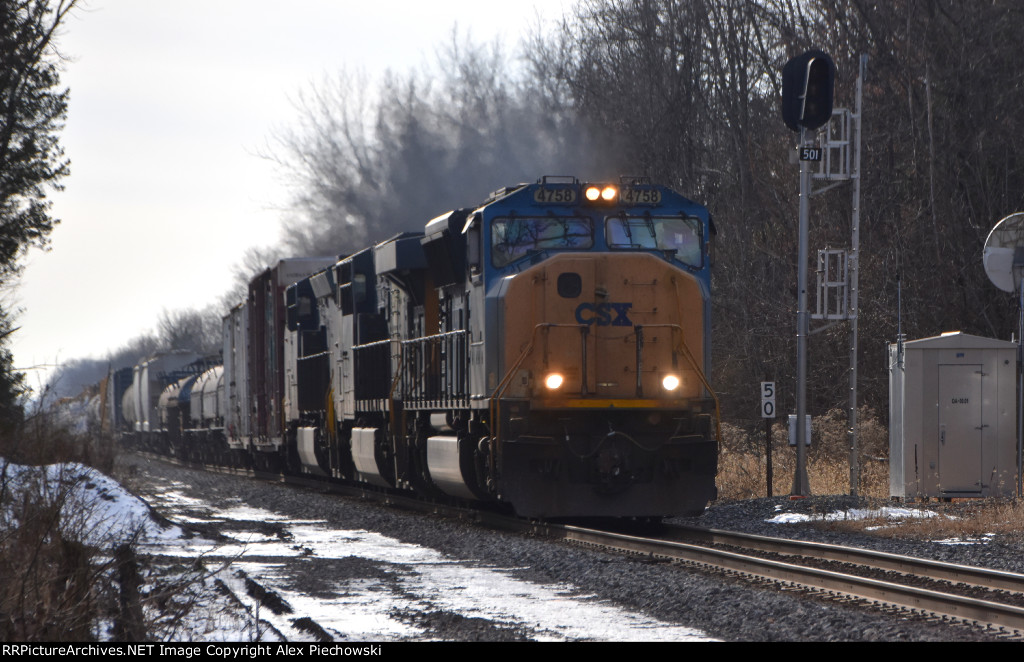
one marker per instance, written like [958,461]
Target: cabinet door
[960,428]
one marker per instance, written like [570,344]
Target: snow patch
[886,512]
[94,508]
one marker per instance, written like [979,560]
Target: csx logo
[604,314]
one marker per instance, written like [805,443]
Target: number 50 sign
[767,399]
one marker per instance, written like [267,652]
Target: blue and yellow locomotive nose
[598,300]
[604,409]
[619,330]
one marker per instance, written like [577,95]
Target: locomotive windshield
[513,238]
[680,236]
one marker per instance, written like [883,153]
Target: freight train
[546,351]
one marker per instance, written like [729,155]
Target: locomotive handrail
[700,373]
[495,406]
[375,343]
[451,342]
[331,421]
[503,384]
[316,356]
[684,349]
[394,386]
[456,332]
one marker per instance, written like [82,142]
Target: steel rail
[998,580]
[970,610]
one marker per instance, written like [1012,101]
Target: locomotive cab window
[679,237]
[514,238]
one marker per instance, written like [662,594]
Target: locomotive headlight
[601,193]
[553,380]
[670,382]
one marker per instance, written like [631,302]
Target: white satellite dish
[1004,253]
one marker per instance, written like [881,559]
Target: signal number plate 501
[810,153]
[641,196]
[547,195]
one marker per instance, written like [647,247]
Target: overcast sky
[171,102]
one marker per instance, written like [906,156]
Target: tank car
[171,403]
[141,399]
[548,350]
[204,436]
[174,405]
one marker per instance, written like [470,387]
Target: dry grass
[56,586]
[60,583]
[52,589]
[43,438]
[742,464]
[742,470]
[964,519]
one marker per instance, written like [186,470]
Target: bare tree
[196,330]
[687,92]
[370,161]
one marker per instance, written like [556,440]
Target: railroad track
[985,598]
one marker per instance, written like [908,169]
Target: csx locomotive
[547,350]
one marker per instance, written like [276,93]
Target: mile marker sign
[767,399]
